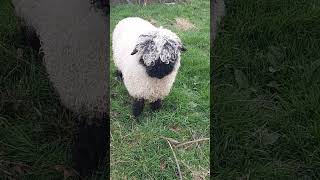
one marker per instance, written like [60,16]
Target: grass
[138,150]
[35,130]
[266,84]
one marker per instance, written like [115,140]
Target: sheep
[147,58]
[73,40]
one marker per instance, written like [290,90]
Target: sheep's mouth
[160,70]
[157,75]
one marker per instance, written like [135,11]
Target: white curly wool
[157,50]
[124,40]
[73,36]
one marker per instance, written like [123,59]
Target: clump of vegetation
[265,91]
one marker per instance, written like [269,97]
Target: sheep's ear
[183,49]
[134,51]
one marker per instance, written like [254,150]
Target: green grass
[137,149]
[266,84]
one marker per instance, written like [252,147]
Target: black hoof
[137,107]
[90,145]
[156,105]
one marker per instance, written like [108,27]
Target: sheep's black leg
[119,75]
[101,4]
[137,107]
[156,105]
[31,38]
[104,3]
[90,145]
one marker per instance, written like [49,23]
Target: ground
[265,91]
[139,150]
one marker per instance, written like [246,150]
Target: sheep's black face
[159,69]
[158,53]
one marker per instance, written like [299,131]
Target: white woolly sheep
[73,36]
[147,58]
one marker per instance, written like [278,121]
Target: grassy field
[35,130]
[138,150]
[266,84]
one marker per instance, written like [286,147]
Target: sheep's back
[125,36]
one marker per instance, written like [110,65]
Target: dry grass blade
[197,174]
[172,141]
[184,24]
[175,157]
[191,142]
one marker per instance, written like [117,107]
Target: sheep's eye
[142,62]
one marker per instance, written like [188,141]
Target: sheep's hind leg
[119,75]
[137,107]
[156,105]
[30,37]
[90,144]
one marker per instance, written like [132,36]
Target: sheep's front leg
[156,105]
[137,107]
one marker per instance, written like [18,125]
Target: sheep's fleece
[75,49]
[138,83]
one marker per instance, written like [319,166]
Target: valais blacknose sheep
[147,59]
[72,36]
